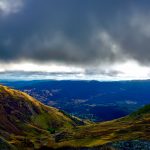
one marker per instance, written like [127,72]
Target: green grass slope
[27,122]
[142,111]
[133,127]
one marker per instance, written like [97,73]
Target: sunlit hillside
[27,123]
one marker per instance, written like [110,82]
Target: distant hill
[28,124]
[94,100]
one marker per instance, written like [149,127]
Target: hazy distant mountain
[94,100]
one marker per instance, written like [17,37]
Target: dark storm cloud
[80,32]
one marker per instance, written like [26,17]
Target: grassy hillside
[142,111]
[25,121]
[133,127]
[28,124]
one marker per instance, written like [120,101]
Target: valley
[26,123]
[92,100]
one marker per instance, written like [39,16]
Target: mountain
[28,124]
[97,101]
[132,127]
[142,111]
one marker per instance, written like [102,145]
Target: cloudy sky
[75,39]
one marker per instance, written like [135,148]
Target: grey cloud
[9,6]
[104,72]
[88,75]
[77,32]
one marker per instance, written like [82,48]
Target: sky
[75,39]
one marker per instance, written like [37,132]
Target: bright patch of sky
[32,71]
[10,6]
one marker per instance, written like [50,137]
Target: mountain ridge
[23,116]
[28,124]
